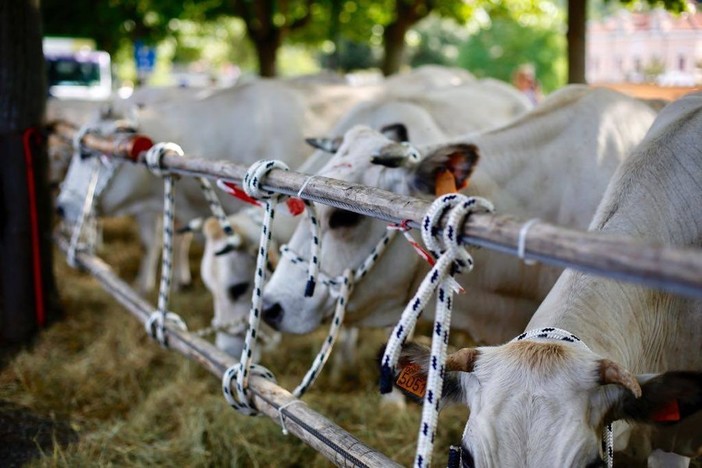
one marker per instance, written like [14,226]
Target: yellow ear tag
[412,380]
[445,183]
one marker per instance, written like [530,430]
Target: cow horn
[613,373]
[328,145]
[392,155]
[462,360]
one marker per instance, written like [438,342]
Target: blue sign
[144,56]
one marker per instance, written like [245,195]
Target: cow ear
[412,373]
[396,132]
[666,399]
[328,145]
[454,162]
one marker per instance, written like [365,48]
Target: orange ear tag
[445,183]
[668,413]
[412,380]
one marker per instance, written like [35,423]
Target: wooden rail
[677,270]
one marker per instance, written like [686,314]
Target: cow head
[546,403]
[227,272]
[371,158]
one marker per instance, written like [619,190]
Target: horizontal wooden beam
[677,270]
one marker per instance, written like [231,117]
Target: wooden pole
[337,445]
[678,270]
[673,269]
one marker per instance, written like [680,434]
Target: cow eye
[343,218]
[236,290]
[467,458]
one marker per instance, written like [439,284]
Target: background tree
[27,290]
[269,23]
[498,50]
[114,24]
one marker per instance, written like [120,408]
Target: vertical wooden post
[27,288]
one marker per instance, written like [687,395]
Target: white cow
[262,119]
[544,402]
[553,163]
[229,276]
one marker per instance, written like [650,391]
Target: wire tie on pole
[304,186]
[521,243]
[281,416]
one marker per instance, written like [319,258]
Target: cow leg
[346,355]
[150,229]
[661,459]
[181,262]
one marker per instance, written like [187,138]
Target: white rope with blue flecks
[156,324]
[233,239]
[452,259]
[340,287]
[241,400]
[557,334]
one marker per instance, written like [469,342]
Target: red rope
[34,218]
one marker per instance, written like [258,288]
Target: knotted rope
[340,287]
[156,324]
[95,186]
[233,239]
[242,402]
[557,334]
[452,259]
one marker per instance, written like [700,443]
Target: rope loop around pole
[243,405]
[156,325]
[155,154]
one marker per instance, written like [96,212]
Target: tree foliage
[498,50]
[113,23]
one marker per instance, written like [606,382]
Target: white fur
[520,417]
[524,169]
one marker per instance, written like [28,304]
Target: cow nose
[60,212]
[273,315]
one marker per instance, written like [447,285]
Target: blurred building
[637,47]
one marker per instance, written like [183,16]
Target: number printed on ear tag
[412,380]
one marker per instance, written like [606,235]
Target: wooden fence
[675,270]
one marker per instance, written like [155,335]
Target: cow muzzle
[273,315]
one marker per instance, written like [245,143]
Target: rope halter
[242,400]
[156,324]
[96,184]
[557,334]
[452,259]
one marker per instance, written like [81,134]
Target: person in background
[524,79]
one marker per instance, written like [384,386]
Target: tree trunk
[266,51]
[28,297]
[394,43]
[577,17]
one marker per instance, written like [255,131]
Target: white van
[76,71]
